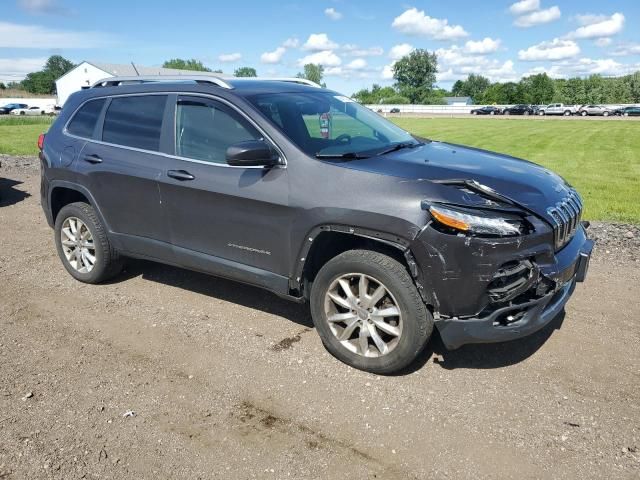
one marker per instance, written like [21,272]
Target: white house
[88,73]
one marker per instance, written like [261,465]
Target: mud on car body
[301,191]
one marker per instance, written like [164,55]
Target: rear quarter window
[135,121]
[84,121]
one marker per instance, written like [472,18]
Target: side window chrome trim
[176,157]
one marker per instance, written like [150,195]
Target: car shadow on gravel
[219,288]
[488,355]
[9,195]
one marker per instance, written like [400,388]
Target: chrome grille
[566,217]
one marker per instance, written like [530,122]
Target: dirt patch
[228,381]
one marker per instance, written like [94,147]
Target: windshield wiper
[398,146]
[342,156]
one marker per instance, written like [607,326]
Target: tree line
[415,76]
[43,82]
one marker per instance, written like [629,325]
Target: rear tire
[403,336]
[83,245]
[567,113]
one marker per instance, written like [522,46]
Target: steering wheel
[344,138]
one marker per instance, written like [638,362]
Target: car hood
[521,181]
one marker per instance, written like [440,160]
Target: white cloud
[13,35]
[626,49]
[399,51]
[455,63]
[42,6]
[357,64]
[325,58]
[332,13]
[486,45]
[524,6]
[318,42]
[15,69]
[590,18]
[274,56]
[585,67]
[387,72]
[415,22]
[292,42]
[603,42]
[557,49]
[229,57]
[599,26]
[356,51]
[538,17]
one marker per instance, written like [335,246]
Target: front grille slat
[566,216]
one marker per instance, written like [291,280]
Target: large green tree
[312,72]
[44,81]
[474,86]
[415,74]
[245,72]
[537,89]
[190,64]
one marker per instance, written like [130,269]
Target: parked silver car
[595,110]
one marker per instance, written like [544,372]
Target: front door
[237,214]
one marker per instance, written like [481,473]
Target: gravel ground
[165,373]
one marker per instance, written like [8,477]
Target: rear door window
[84,121]
[135,121]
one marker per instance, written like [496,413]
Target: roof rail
[303,81]
[115,81]
[221,82]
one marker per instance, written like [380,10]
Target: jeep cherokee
[287,186]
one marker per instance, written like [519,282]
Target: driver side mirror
[252,153]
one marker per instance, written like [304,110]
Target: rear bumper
[529,316]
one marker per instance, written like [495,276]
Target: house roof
[128,70]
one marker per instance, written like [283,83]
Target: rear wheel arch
[64,193]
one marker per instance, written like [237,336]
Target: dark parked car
[299,190]
[8,108]
[489,110]
[628,111]
[394,110]
[520,110]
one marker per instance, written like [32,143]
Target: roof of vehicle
[200,84]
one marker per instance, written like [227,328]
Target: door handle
[180,175]
[93,158]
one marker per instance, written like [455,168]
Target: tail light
[41,141]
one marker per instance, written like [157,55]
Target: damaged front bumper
[486,291]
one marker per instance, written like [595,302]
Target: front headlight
[480,222]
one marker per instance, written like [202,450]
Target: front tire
[83,245]
[369,313]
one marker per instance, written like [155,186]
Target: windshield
[325,124]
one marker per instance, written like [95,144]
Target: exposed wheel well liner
[62,196]
[326,242]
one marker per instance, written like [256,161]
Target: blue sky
[356,41]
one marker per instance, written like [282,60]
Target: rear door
[239,214]
[122,166]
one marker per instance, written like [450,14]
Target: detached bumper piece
[524,301]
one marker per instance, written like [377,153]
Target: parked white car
[558,109]
[29,111]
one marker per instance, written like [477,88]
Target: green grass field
[19,135]
[601,158]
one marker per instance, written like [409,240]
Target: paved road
[227,381]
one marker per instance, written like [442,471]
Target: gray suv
[299,190]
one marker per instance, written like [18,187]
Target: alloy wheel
[363,315]
[77,245]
